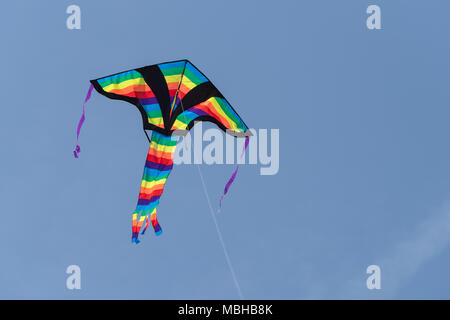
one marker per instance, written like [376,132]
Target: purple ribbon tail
[233,176]
[80,123]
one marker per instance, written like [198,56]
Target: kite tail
[80,123]
[233,176]
[157,168]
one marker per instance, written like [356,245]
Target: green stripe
[154,114]
[168,143]
[172,71]
[192,77]
[228,112]
[150,178]
[183,118]
[122,78]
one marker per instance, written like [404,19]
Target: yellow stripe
[124,84]
[153,183]
[156,121]
[176,78]
[163,147]
[222,113]
[188,83]
[179,125]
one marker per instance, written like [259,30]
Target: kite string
[80,123]
[146,134]
[178,90]
[219,233]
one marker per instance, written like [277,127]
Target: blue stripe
[151,107]
[118,76]
[197,73]
[156,173]
[171,65]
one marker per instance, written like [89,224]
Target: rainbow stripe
[132,84]
[157,168]
[159,92]
[183,71]
[215,107]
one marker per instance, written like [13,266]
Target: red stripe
[153,193]
[158,160]
[209,108]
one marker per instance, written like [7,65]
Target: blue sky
[363,119]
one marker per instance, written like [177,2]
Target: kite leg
[155,224]
[136,224]
[134,219]
[147,223]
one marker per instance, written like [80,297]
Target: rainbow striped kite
[171,97]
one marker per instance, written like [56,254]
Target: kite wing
[172,96]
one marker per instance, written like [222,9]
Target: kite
[170,97]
